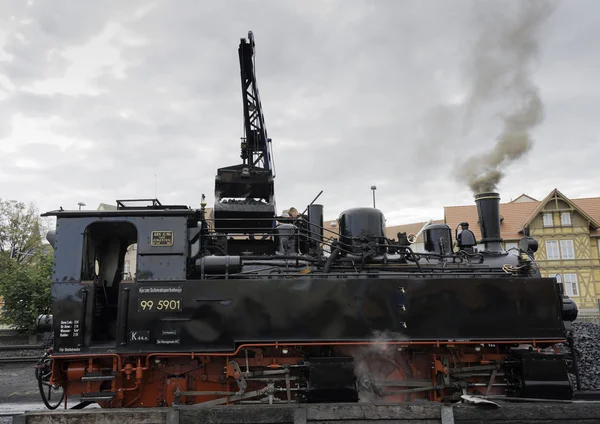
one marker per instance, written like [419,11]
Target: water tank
[358,225]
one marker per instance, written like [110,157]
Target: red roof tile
[592,206]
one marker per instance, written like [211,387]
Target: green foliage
[25,265]
[25,290]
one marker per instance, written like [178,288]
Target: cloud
[104,96]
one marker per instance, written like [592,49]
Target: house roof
[524,198]
[591,205]
[555,193]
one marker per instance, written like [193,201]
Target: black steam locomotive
[247,306]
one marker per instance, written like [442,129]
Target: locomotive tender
[249,307]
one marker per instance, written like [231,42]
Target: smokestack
[488,209]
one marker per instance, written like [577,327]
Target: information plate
[162,238]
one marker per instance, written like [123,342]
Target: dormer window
[565,219]
[548,220]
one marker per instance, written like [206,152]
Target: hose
[332,258]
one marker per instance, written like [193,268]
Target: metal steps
[97,396]
[98,376]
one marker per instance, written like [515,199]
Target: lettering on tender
[69,328]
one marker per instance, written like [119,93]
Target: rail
[21,347]
[19,359]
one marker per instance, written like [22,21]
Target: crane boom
[256,143]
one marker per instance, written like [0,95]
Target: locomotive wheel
[43,372]
[377,368]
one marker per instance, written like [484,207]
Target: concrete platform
[427,413]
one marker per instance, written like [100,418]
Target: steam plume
[500,75]
[375,362]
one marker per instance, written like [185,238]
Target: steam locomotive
[245,306]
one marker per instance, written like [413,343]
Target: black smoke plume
[500,75]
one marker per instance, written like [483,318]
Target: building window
[565,219]
[547,220]
[552,251]
[571,287]
[567,250]
[512,245]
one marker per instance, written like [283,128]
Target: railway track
[19,359]
[21,347]
[20,354]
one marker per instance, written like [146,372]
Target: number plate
[159,305]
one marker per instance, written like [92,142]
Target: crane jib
[257,140]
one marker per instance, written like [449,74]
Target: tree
[25,290]
[25,265]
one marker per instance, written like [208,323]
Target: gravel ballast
[586,337]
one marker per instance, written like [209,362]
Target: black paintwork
[154,263]
[437,238]
[538,376]
[358,225]
[453,298]
[488,210]
[218,315]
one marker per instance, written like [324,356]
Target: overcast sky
[98,97]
